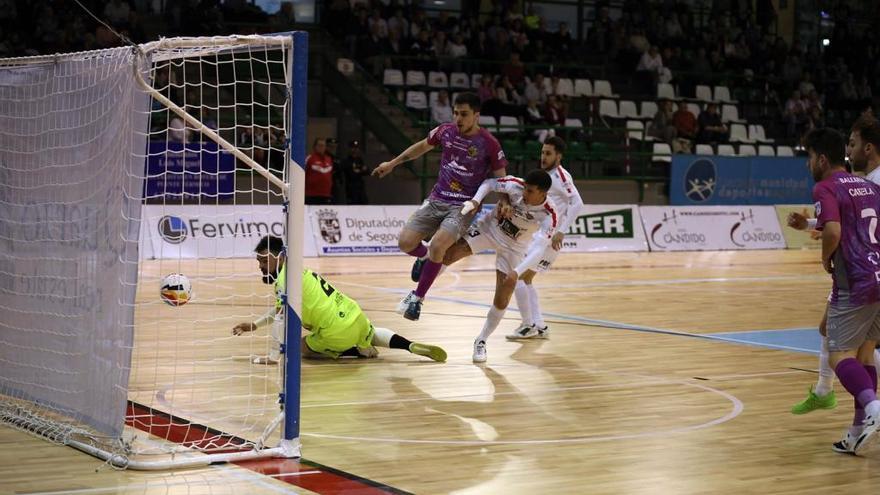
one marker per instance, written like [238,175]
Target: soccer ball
[176,289]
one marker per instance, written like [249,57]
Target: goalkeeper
[337,326]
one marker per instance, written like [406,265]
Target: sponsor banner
[797,239]
[704,228]
[354,230]
[716,180]
[191,169]
[214,231]
[606,228]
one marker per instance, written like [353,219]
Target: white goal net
[117,168]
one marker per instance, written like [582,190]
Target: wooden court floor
[632,394]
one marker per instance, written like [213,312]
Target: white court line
[735,411]
[155,484]
[672,281]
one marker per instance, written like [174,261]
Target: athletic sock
[522,302]
[493,318]
[430,272]
[826,375]
[398,342]
[856,380]
[535,306]
[420,252]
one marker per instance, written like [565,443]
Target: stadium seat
[635,129]
[726,150]
[392,77]
[662,153]
[417,100]
[784,151]
[756,133]
[704,93]
[574,123]
[738,134]
[565,87]
[705,149]
[747,150]
[765,150]
[475,80]
[459,80]
[729,113]
[649,109]
[627,109]
[665,90]
[608,108]
[488,122]
[415,78]
[722,95]
[603,88]
[508,125]
[583,87]
[694,108]
[438,80]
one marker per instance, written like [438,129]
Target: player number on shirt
[325,286]
[872,225]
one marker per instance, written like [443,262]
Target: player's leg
[527,292]
[383,337]
[504,288]
[526,328]
[850,350]
[822,397]
[422,224]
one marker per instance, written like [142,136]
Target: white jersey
[515,233]
[562,190]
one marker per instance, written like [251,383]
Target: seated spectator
[662,126]
[712,130]
[515,70]
[441,111]
[685,124]
[554,111]
[649,69]
[508,94]
[400,23]
[533,115]
[486,91]
[535,90]
[456,47]
[795,115]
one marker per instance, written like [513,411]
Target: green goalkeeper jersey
[322,305]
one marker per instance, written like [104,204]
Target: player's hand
[797,221]
[469,206]
[556,241]
[828,265]
[383,169]
[243,327]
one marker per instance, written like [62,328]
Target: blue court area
[791,339]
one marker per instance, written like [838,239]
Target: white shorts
[506,259]
[547,258]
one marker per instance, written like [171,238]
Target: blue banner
[723,180]
[198,170]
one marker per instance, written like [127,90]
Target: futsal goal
[119,167]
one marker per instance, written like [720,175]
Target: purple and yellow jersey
[466,161]
[855,203]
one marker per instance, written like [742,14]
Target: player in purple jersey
[846,209]
[863,151]
[470,155]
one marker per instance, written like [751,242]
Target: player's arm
[830,242]
[574,209]
[416,150]
[488,185]
[536,250]
[799,221]
[262,321]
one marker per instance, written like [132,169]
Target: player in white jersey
[531,211]
[568,203]
[863,151]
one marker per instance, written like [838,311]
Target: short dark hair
[271,243]
[869,130]
[539,178]
[557,142]
[468,98]
[826,141]
[315,142]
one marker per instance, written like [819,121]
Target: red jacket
[319,175]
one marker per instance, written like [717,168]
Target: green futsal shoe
[813,402]
[430,351]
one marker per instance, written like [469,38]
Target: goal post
[117,168]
